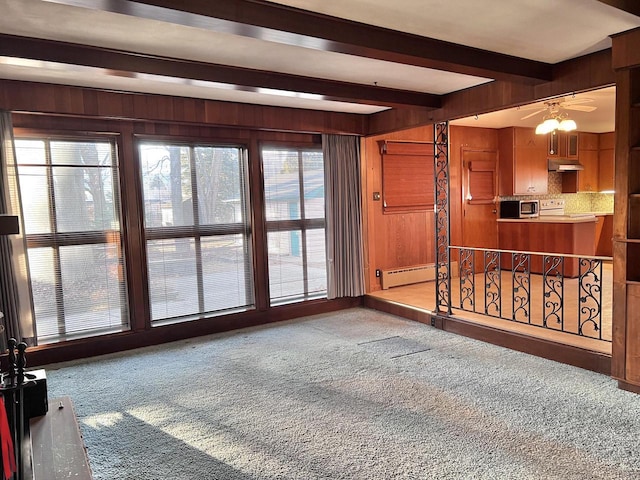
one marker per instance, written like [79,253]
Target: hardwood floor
[422,296]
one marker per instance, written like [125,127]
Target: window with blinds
[295,214]
[197,229]
[407,176]
[71,206]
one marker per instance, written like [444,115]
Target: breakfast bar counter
[563,234]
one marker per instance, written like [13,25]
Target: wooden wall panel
[626,53]
[78,101]
[632,370]
[583,73]
[398,239]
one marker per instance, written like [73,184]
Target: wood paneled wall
[575,75]
[406,239]
[394,239]
[88,102]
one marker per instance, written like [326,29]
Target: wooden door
[479,198]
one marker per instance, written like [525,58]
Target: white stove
[552,207]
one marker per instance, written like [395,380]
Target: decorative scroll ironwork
[441,194]
[521,285]
[590,296]
[467,279]
[492,284]
[553,291]
[552,284]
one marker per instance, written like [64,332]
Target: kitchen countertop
[575,218]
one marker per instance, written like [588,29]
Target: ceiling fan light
[549,125]
[567,125]
[541,129]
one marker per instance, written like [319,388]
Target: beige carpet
[352,395]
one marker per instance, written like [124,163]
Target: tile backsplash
[574,202]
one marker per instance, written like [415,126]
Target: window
[294,200]
[481,176]
[197,230]
[71,205]
[407,176]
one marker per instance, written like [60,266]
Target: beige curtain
[15,291]
[345,266]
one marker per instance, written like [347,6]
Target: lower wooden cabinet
[549,236]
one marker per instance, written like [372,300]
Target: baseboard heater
[413,274]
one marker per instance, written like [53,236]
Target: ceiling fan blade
[575,101]
[534,113]
[580,108]
[532,106]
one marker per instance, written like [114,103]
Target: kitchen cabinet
[604,235]
[549,235]
[562,144]
[523,162]
[588,156]
[606,162]
[586,180]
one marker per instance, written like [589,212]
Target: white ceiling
[600,120]
[544,30]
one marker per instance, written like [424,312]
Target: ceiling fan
[557,105]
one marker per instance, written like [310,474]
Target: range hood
[564,165]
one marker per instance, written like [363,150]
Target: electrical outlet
[378,272]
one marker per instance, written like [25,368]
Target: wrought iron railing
[548,290]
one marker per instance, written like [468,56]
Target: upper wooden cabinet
[606,156]
[563,144]
[588,141]
[588,156]
[523,162]
[586,180]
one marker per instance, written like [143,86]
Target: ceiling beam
[629,6]
[575,75]
[292,26]
[128,64]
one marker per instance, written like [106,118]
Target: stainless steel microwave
[519,208]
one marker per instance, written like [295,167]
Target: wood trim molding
[558,352]
[629,387]
[105,344]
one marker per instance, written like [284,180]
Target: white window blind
[197,229]
[294,203]
[71,205]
